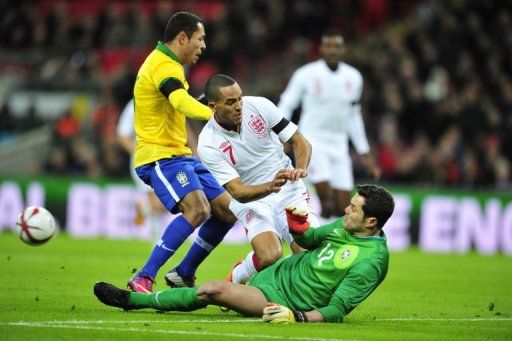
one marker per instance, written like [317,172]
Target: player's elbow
[299,141]
[240,195]
[308,146]
[305,143]
[242,199]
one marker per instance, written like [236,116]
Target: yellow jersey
[161,105]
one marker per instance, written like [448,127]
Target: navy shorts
[172,179]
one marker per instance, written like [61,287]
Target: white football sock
[243,272]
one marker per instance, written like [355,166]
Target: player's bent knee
[220,209]
[198,214]
[269,258]
[212,290]
[201,214]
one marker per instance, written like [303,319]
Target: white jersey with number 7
[255,153]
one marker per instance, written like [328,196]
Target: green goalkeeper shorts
[264,281]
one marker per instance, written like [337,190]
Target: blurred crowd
[438,74]
[439,94]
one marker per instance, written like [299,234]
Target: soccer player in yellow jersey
[163,161]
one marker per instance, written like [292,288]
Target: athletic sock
[244,271]
[210,235]
[175,234]
[177,299]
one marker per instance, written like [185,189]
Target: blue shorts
[172,179]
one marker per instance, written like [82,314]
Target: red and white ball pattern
[35,225]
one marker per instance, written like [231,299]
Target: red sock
[256,263]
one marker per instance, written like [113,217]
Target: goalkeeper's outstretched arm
[314,316]
[276,313]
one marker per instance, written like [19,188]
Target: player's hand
[297,219]
[276,313]
[371,167]
[279,180]
[376,173]
[297,173]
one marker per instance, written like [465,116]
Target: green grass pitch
[46,294]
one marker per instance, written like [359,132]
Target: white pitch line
[420,319]
[245,320]
[162,331]
[256,320]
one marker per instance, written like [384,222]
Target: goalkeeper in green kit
[347,260]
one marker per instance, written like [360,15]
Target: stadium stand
[438,91]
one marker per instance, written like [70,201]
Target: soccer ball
[35,225]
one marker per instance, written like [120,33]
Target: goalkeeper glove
[276,313]
[297,219]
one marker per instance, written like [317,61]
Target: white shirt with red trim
[331,112]
[254,154]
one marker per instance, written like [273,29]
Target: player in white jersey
[330,93]
[240,145]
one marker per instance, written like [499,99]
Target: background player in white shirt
[150,206]
[240,146]
[330,93]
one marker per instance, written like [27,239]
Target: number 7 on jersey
[229,150]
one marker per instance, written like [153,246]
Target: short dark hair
[181,21]
[332,32]
[213,85]
[379,203]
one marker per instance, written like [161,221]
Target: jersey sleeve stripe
[169,85]
[280,126]
[287,133]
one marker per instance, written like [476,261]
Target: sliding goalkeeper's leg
[244,299]
[179,299]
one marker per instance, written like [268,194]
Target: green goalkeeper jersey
[337,274]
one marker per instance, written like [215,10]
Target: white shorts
[268,214]
[329,164]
